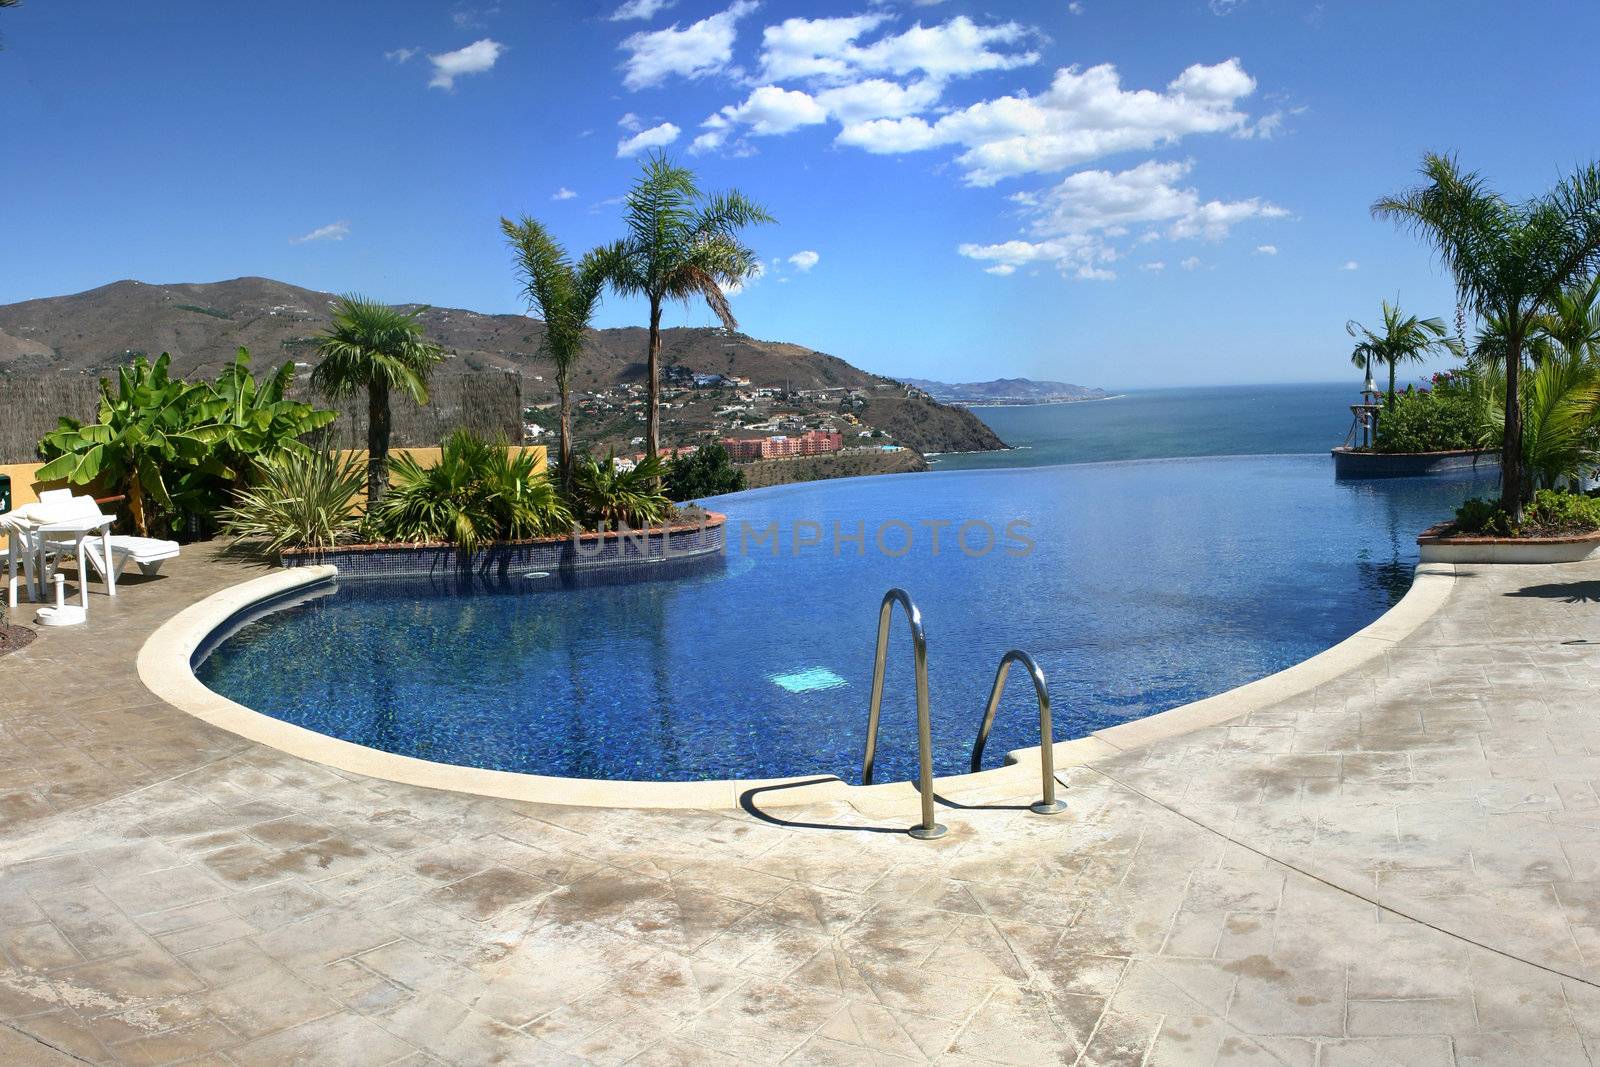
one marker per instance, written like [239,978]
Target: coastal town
[755,423]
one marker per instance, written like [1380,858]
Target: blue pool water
[1147,585]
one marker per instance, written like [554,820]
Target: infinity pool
[1137,586]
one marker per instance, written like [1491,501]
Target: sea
[1230,420]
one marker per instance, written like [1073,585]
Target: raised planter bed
[583,553]
[1438,545]
[1352,463]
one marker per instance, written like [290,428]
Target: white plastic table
[80,530]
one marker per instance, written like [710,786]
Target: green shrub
[601,493]
[707,471]
[1550,513]
[301,501]
[478,491]
[1436,421]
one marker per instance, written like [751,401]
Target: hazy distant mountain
[1005,391]
[202,324]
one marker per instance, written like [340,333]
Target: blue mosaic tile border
[624,551]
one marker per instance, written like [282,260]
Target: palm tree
[1509,261]
[681,244]
[1573,321]
[1404,339]
[565,297]
[378,348]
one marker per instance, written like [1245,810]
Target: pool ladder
[928,829]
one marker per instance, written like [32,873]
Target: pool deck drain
[1397,864]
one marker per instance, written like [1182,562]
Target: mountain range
[201,324]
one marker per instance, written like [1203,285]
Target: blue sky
[964,191]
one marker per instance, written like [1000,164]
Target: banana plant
[259,423]
[144,429]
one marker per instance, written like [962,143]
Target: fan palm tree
[681,243]
[1403,339]
[566,298]
[378,348]
[1509,261]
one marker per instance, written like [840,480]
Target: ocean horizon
[1167,423]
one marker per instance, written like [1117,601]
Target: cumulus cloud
[655,137]
[1002,269]
[876,98]
[804,260]
[827,49]
[1075,8]
[1190,264]
[1350,264]
[475,58]
[1267,250]
[640,9]
[1113,203]
[1154,265]
[402,55]
[771,110]
[1084,115]
[333,231]
[695,51]
[563,193]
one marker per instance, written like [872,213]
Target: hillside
[1005,391]
[202,324]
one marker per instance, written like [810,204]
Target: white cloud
[563,193]
[655,137]
[876,98]
[827,49]
[475,58]
[1267,250]
[1084,115]
[1190,264]
[402,55]
[640,9]
[631,122]
[805,260]
[1078,255]
[1224,7]
[700,49]
[1075,8]
[1154,265]
[1146,195]
[771,110]
[1351,264]
[333,231]
[1002,269]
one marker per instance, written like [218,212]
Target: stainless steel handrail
[928,829]
[1048,805]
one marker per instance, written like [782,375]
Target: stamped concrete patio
[1400,866]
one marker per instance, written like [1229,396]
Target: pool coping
[165,667]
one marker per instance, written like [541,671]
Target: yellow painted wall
[25,487]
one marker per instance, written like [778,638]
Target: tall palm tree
[378,348]
[681,243]
[1403,339]
[1509,260]
[566,298]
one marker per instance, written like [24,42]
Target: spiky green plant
[478,491]
[604,494]
[1560,416]
[381,349]
[1509,260]
[300,500]
[681,244]
[566,298]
